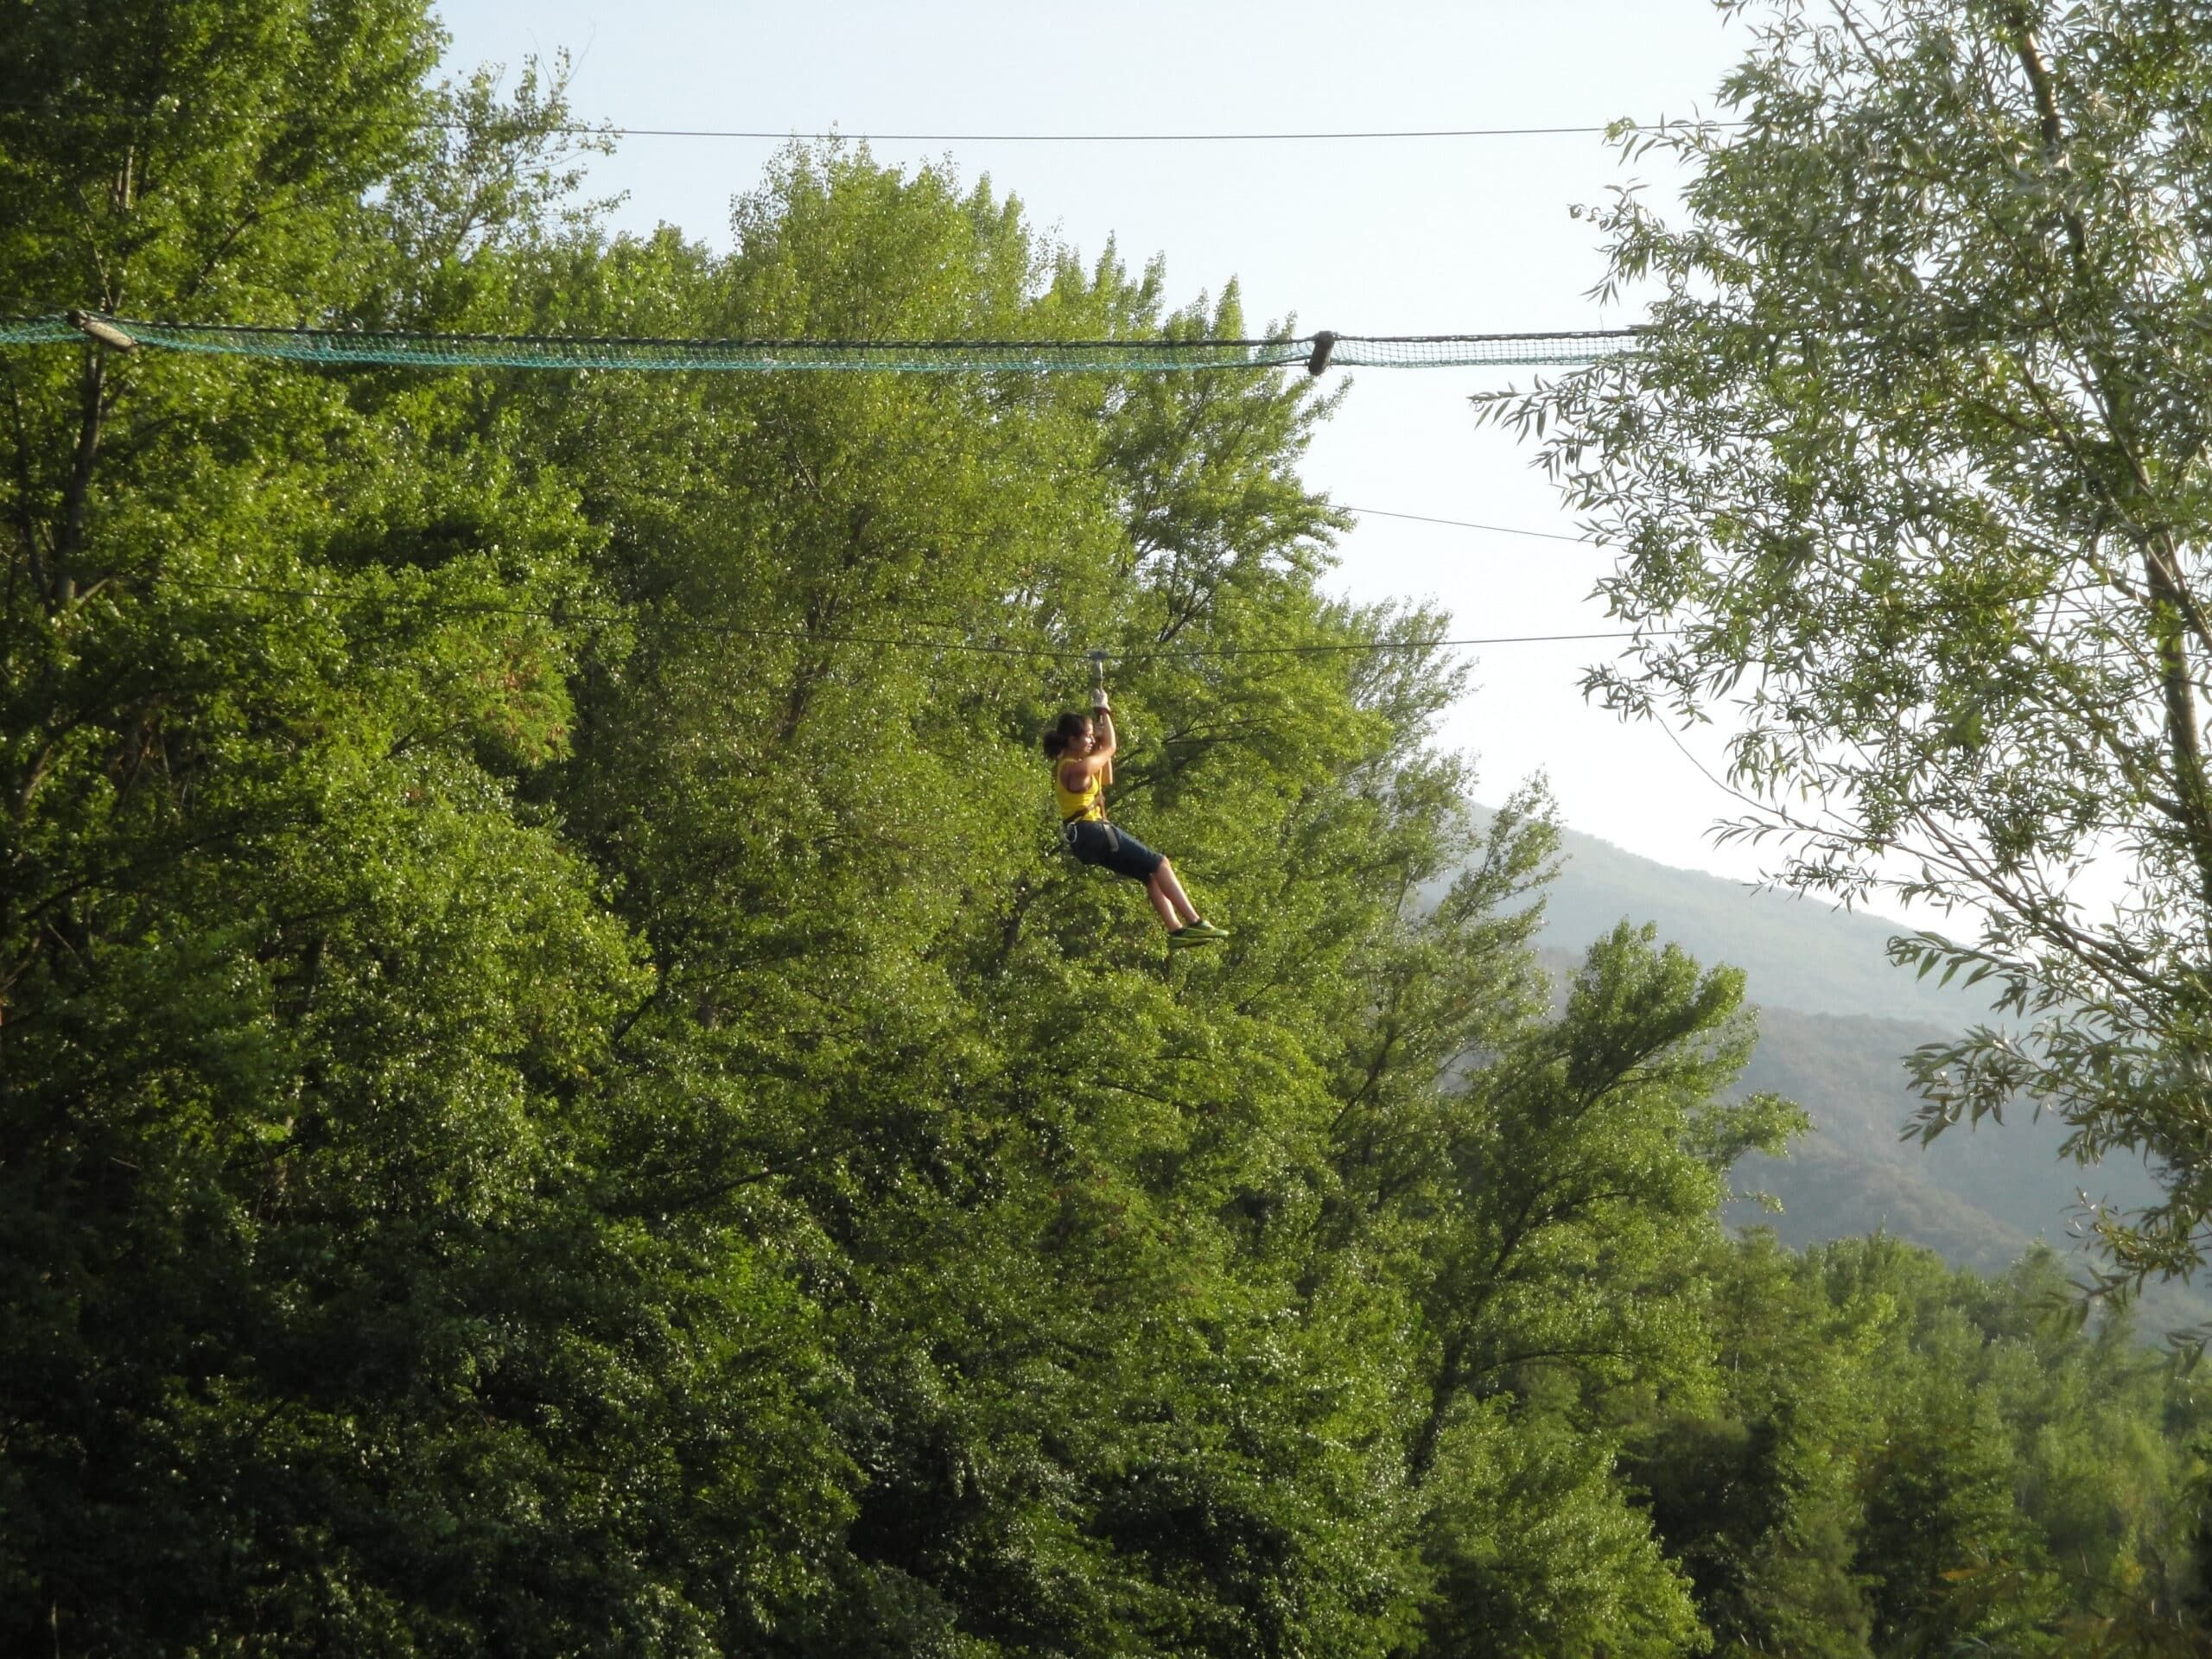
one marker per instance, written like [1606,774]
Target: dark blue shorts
[1094,843]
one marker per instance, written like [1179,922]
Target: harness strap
[1071,832]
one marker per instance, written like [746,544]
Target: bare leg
[1160,903]
[1168,898]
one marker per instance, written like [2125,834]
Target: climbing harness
[1071,833]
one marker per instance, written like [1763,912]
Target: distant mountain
[1976,1195]
[1796,953]
[1835,1021]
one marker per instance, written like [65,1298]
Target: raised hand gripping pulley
[1098,679]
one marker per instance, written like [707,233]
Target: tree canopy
[1907,482]
[557,1096]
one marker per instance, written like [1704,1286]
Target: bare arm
[1077,770]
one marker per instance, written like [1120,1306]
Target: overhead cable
[51,110]
[903,642]
[1464,523]
[1082,137]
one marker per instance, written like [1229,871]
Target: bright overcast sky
[1380,237]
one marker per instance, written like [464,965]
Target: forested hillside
[1835,1022]
[557,1097]
[1797,952]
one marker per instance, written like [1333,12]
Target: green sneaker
[1197,933]
[1205,930]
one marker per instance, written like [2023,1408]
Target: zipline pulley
[1097,678]
[100,329]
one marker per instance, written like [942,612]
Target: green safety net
[343,346]
[1477,350]
[36,331]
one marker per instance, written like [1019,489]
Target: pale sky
[1442,236]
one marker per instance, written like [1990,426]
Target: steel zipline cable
[1313,352]
[57,110]
[567,618]
[1468,523]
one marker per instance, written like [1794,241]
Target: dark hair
[1065,731]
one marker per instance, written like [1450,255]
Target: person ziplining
[1081,749]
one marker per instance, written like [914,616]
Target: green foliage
[1911,469]
[555,1096]
[1899,1464]
[1537,1551]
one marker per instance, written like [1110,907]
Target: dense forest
[557,1095]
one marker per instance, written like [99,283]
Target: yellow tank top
[1078,805]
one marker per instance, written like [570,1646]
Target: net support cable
[1313,352]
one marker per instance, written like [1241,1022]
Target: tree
[1537,1550]
[555,1096]
[325,1321]
[1901,1459]
[1908,478]
[1570,1197]
[1755,1494]
[1106,1391]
